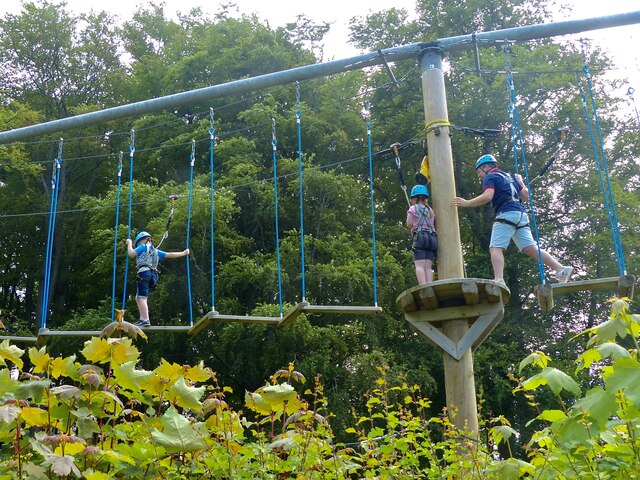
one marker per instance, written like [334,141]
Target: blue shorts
[146,281]
[503,233]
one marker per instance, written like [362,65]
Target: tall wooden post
[459,376]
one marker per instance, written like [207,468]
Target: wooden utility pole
[459,377]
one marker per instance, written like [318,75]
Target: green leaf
[556,379]
[552,415]
[178,435]
[625,376]
[33,389]
[63,465]
[7,384]
[599,404]
[67,392]
[186,396]
[8,413]
[538,358]
[128,377]
[11,353]
[502,433]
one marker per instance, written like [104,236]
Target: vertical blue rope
[45,281]
[115,241]
[298,117]
[373,217]
[55,190]
[193,161]
[274,144]
[132,150]
[212,143]
[615,224]
[525,168]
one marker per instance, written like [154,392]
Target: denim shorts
[503,233]
[146,281]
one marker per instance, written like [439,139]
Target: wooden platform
[624,285]
[306,307]
[213,317]
[452,292]
[476,301]
[17,339]
[44,333]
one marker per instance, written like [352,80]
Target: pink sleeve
[411,218]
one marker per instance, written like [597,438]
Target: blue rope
[55,191]
[298,117]
[373,218]
[212,143]
[520,144]
[192,161]
[606,189]
[274,144]
[43,307]
[132,150]
[115,241]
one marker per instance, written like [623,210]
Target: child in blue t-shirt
[147,258]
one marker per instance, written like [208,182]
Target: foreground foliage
[107,418]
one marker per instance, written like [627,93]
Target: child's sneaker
[142,323]
[564,274]
[502,283]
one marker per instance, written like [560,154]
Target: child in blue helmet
[147,258]
[421,221]
[506,192]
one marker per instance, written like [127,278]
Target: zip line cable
[55,192]
[115,240]
[518,144]
[274,144]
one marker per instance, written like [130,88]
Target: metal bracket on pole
[476,55]
[388,68]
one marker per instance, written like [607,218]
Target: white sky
[622,42]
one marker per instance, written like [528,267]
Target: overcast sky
[622,42]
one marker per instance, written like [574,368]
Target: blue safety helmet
[141,236]
[485,159]
[419,190]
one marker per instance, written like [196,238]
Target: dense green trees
[91,63]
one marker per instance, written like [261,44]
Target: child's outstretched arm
[183,253]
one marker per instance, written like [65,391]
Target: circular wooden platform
[452,292]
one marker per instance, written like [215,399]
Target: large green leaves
[178,435]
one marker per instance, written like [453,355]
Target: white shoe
[502,283]
[564,274]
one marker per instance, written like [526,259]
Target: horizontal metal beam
[380,57]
